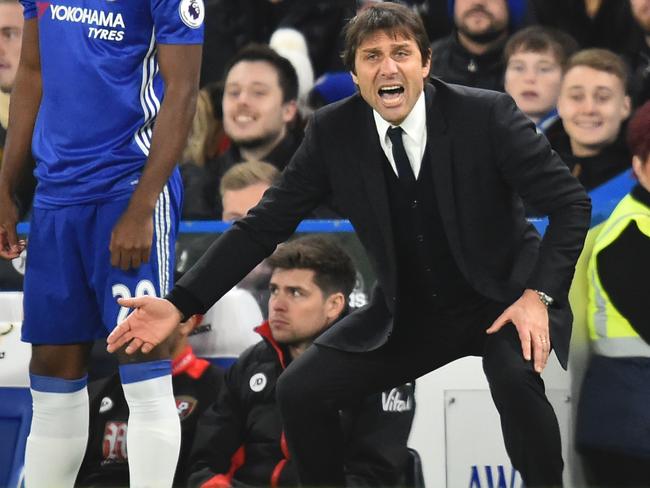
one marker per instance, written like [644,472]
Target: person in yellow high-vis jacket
[613,427]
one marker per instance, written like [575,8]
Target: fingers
[120,336]
[126,259]
[134,345]
[134,302]
[10,246]
[542,349]
[524,338]
[501,320]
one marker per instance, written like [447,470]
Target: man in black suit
[432,177]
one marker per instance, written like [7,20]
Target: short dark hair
[287,77]
[333,269]
[392,18]
[638,132]
[540,39]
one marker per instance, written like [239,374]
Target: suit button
[427,269]
[394,299]
[414,204]
[420,238]
[434,295]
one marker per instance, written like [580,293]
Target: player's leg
[60,321]
[153,436]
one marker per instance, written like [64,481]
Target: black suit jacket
[485,156]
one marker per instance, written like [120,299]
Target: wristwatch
[544,298]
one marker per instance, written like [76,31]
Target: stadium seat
[15,399]
[227,328]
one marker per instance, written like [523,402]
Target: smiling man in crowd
[259,111]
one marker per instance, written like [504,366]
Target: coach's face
[390,72]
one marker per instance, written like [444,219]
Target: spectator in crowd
[605,24]
[473,54]
[432,176]
[240,440]
[200,148]
[242,187]
[535,58]
[196,384]
[593,105]
[11,36]
[613,416]
[105,110]
[639,56]
[259,114]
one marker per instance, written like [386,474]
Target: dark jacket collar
[265,331]
[641,195]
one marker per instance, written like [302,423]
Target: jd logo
[257,382]
[485,478]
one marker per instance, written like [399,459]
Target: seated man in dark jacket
[240,439]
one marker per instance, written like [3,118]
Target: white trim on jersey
[148,99]
[162,223]
[168,226]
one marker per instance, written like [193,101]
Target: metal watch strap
[544,298]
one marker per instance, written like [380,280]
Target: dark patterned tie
[404,170]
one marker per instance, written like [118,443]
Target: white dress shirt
[414,135]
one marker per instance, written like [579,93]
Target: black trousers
[321,381]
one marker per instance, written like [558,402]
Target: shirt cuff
[185,302]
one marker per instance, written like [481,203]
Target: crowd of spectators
[518,46]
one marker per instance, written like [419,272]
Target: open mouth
[589,125]
[243,118]
[391,92]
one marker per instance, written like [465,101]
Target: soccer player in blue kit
[89,96]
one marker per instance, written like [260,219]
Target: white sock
[153,439]
[57,440]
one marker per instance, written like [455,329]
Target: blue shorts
[70,287]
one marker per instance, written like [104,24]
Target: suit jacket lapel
[371,157]
[439,153]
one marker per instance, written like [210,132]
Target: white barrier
[457,430]
[14,354]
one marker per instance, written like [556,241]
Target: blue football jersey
[102,90]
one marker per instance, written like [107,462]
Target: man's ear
[289,110]
[627,107]
[637,167]
[335,306]
[426,66]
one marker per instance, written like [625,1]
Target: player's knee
[68,362]
[512,381]
[161,351]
